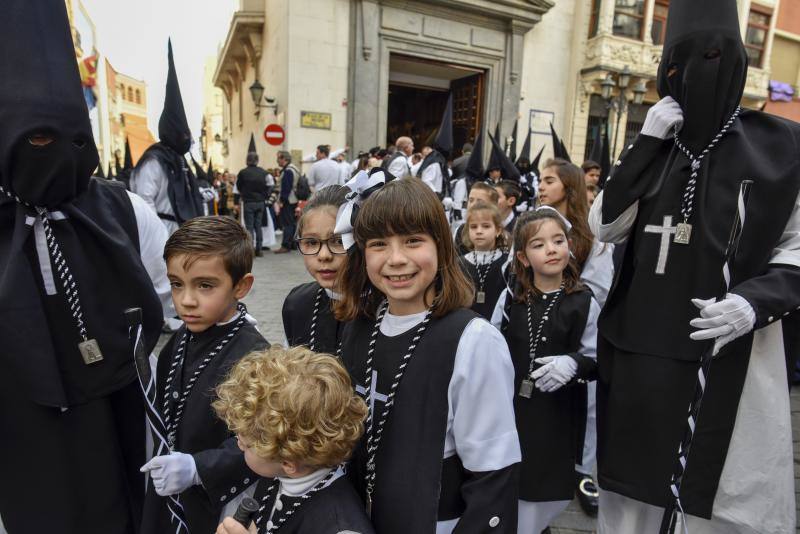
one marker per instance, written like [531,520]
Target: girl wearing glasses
[307,311]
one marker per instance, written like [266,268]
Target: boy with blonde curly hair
[297,420]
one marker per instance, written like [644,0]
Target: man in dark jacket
[252,185]
[287,200]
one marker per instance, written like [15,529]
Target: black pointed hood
[117,165]
[100,172]
[600,153]
[109,173]
[507,168]
[41,93]
[210,169]
[526,148]
[251,149]
[537,161]
[128,155]
[497,130]
[512,149]
[704,53]
[444,137]
[559,150]
[474,169]
[173,128]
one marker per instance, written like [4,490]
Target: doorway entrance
[418,92]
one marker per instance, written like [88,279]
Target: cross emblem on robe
[666,231]
[373,392]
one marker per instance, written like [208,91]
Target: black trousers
[253,219]
[289,225]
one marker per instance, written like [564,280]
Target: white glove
[665,115]
[554,373]
[724,320]
[522,207]
[447,202]
[172,473]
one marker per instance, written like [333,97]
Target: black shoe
[259,253]
[546,531]
[587,494]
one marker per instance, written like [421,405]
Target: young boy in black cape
[208,263]
[297,420]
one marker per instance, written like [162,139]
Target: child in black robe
[485,238]
[297,420]
[307,315]
[441,450]
[550,323]
[208,264]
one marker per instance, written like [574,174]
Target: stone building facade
[358,73]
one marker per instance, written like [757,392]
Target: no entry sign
[274,134]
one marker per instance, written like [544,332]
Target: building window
[756,37]
[594,18]
[138,96]
[660,10]
[629,18]
[598,117]
[130,94]
[122,90]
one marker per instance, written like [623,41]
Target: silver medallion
[480,298]
[683,233]
[526,388]
[90,351]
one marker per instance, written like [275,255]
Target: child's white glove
[665,115]
[725,320]
[172,473]
[447,202]
[554,373]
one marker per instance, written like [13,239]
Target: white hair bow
[563,219]
[362,185]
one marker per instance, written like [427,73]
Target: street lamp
[619,103]
[257,92]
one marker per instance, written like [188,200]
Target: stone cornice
[242,46]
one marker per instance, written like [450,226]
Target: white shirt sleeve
[149,182]
[787,252]
[432,175]
[152,238]
[460,194]
[589,337]
[598,271]
[499,309]
[616,231]
[312,176]
[481,427]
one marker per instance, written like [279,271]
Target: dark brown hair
[571,177]
[588,165]
[203,237]
[528,225]
[510,189]
[401,207]
[331,197]
[501,241]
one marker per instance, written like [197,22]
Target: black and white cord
[374,437]
[533,340]
[687,202]
[171,422]
[273,526]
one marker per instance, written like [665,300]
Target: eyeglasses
[310,246]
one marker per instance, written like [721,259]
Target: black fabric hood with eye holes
[703,66]
[41,95]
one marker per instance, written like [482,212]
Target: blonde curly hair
[292,405]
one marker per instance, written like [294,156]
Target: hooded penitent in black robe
[298,318]
[739,472]
[220,463]
[74,431]
[175,140]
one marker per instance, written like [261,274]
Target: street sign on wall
[274,134]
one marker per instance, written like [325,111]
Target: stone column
[364,94]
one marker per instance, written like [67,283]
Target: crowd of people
[476,341]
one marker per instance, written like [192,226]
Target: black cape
[298,312]
[220,463]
